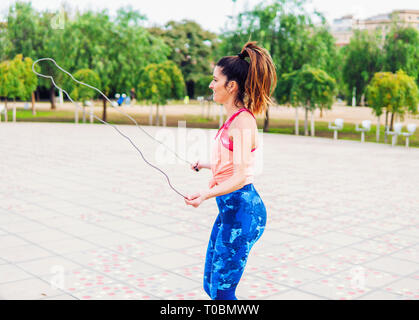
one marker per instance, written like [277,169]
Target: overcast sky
[212,14]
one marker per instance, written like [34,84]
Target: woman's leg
[210,254]
[243,216]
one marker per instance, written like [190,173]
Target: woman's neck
[231,108]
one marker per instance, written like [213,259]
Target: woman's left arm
[243,136]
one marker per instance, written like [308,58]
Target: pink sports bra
[225,140]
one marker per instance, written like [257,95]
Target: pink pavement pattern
[82,218]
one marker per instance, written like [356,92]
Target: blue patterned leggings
[239,224]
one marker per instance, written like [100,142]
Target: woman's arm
[200,165]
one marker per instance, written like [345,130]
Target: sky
[212,14]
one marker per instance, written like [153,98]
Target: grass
[280,126]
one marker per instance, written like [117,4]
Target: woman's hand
[196,199]
[196,165]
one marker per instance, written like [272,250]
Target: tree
[17,80]
[401,50]
[192,49]
[115,50]
[397,93]
[81,92]
[158,83]
[363,58]
[311,88]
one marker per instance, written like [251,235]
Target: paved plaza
[82,216]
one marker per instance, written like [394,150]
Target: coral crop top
[222,155]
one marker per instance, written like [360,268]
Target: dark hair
[256,80]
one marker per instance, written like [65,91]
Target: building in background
[343,28]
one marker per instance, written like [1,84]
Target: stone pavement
[83,217]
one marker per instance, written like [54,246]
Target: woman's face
[220,93]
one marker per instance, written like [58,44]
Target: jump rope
[115,127]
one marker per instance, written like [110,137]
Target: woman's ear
[232,85]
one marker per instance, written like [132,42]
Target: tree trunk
[296,121]
[266,122]
[104,109]
[377,131]
[386,127]
[306,122]
[52,98]
[321,112]
[33,104]
[37,95]
[391,121]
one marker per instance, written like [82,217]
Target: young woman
[244,89]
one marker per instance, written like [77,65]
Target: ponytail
[256,80]
[261,79]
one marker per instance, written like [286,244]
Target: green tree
[363,58]
[401,50]
[115,50]
[192,49]
[311,88]
[158,83]
[17,79]
[83,93]
[396,93]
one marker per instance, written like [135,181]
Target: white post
[394,139]
[208,109]
[362,136]
[164,116]
[335,135]
[91,113]
[61,97]
[84,114]
[407,141]
[312,123]
[354,97]
[296,121]
[221,117]
[150,116]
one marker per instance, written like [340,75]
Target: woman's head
[250,83]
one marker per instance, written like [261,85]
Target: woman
[244,89]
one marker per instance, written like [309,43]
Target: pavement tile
[251,287]
[170,260]
[23,253]
[10,273]
[393,265]
[28,289]
[48,266]
[10,241]
[406,287]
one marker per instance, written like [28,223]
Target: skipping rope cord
[116,128]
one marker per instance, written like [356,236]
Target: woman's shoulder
[244,120]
